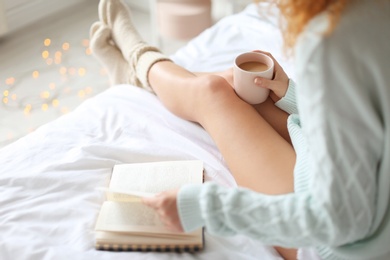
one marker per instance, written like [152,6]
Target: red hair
[296,14]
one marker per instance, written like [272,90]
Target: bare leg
[277,119]
[257,154]
[274,116]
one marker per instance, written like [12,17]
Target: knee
[214,89]
[213,94]
[203,94]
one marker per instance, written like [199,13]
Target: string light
[45,54]
[85,42]
[44,107]
[49,98]
[35,74]
[88,90]
[55,103]
[47,42]
[10,81]
[63,70]
[49,61]
[64,110]
[82,72]
[45,94]
[88,51]
[27,109]
[65,46]
[57,57]
[81,94]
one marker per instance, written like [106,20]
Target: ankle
[142,61]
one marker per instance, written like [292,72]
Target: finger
[275,86]
[175,229]
[150,202]
[271,56]
[172,225]
[266,53]
[165,219]
[265,83]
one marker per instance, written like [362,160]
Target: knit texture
[288,102]
[139,55]
[108,54]
[342,141]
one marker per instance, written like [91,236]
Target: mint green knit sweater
[342,139]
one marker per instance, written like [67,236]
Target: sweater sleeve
[315,215]
[288,102]
[337,138]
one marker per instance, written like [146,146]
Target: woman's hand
[278,85]
[165,205]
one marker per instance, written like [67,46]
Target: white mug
[247,67]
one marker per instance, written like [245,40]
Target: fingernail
[257,81]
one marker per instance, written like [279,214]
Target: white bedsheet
[48,201]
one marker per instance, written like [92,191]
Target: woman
[317,178]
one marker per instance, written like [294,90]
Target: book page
[194,238]
[156,177]
[121,197]
[124,195]
[129,217]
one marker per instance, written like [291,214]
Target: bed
[48,179]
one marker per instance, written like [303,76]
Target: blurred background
[47,68]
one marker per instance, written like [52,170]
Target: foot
[139,55]
[116,15]
[108,54]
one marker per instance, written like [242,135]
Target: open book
[126,224]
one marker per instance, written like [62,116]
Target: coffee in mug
[247,67]
[253,66]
